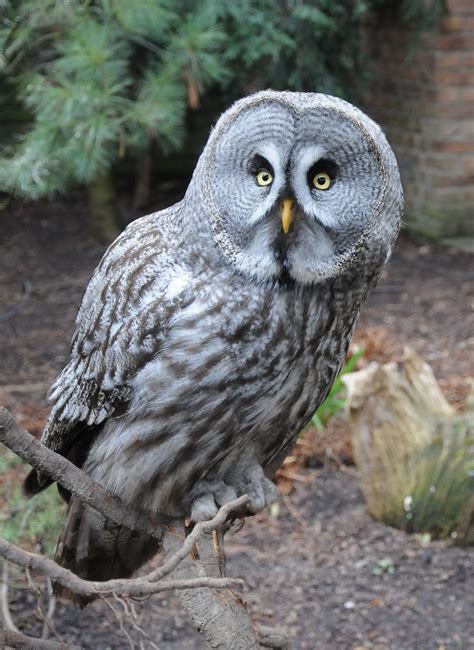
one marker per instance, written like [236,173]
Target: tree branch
[61,470]
[220,615]
[142,586]
[198,531]
[197,560]
[11,639]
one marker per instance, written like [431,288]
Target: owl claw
[253,482]
[208,496]
[204,508]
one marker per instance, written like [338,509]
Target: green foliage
[335,401]
[28,522]
[439,486]
[416,15]
[384,566]
[99,79]
[310,46]
[103,78]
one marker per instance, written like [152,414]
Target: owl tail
[96,548]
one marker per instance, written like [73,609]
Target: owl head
[298,186]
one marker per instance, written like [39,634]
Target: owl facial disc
[307,167]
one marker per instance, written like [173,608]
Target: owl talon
[204,508]
[207,497]
[261,491]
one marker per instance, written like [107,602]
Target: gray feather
[207,338]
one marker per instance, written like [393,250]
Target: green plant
[335,401]
[24,521]
[105,79]
[439,485]
[100,79]
[384,566]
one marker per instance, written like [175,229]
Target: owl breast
[239,376]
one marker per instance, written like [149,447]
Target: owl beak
[287,214]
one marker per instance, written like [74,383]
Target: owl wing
[120,326]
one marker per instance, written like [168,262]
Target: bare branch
[11,639]
[45,618]
[24,445]
[121,587]
[198,531]
[5,608]
[220,615]
[48,615]
[120,619]
[197,559]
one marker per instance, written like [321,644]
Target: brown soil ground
[310,571]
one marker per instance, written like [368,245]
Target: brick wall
[425,103]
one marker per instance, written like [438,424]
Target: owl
[211,331]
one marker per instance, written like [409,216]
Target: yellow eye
[264,177]
[322,181]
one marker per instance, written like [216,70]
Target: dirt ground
[314,571]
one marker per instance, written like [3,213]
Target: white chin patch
[310,253]
[258,259]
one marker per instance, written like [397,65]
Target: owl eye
[264,177]
[322,181]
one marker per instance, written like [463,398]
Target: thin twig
[134,619]
[6,614]
[198,531]
[17,640]
[48,621]
[294,511]
[122,587]
[294,476]
[119,618]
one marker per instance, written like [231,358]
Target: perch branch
[197,560]
[135,587]
[220,615]
[198,531]
[61,470]
[82,486]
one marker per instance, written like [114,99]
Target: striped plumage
[207,337]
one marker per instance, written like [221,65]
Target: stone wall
[425,103]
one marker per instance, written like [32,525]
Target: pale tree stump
[415,453]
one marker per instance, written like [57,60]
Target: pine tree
[102,79]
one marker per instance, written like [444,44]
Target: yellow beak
[287,214]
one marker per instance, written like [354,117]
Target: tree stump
[415,453]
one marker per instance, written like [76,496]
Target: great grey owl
[211,331]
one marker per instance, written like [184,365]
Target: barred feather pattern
[206,338]
[237,378]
